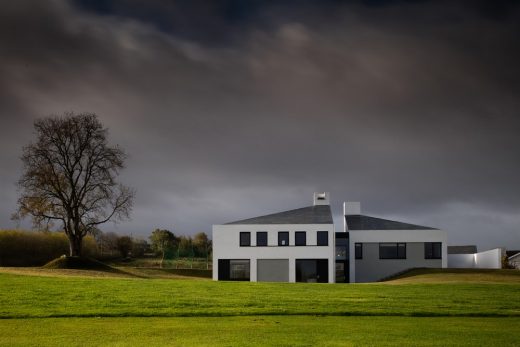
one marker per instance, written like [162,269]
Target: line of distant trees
[112,245]
[168,245]
[28,248]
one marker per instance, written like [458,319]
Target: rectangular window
[322,238]
[239,270]
[300,238]
[261,238]
[245,238]
[283,238]
[433,250]
[392,250]
[233,270]
[312,270]
[401,250]
[342,244]
[359,250]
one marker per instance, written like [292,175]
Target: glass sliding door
[342,271]
[312,270]
[233,269]
[239,270]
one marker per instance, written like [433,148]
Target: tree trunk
[75,246]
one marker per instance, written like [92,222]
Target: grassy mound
[425,275]
[78,263]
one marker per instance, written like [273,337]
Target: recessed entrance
[312,270]
[233,269]
[342,252]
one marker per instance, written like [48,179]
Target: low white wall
[491,259]
[465,261]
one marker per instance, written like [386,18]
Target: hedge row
[27,248]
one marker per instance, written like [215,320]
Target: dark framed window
[239,269]
[322,238]
[233,269]
[433,250]
[342,245]
[245,238]
[261,238]
[300,238]
[358,247]
[312,270]
[392,250]
[283,238]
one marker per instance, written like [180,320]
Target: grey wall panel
[272,270]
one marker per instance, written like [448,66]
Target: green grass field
[51,308]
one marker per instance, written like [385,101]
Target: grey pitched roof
[319,214]
[361,222]
[467,249]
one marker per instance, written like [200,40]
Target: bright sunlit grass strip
[35,296]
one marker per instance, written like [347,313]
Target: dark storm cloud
[230,111]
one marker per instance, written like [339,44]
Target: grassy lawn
[458,276]
[38,296]
[44,307]
[261,331]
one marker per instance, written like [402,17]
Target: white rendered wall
[491,259]
[463,261]
[351,208]
[226,245]
[407,236]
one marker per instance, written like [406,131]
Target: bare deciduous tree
[69,176]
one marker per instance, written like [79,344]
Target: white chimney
[351,208]
[321,198]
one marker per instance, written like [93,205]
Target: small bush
[506,264]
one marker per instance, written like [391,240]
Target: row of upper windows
[397,250]
[300,238]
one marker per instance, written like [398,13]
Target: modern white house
[301,245]
[290,246]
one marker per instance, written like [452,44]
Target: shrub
[506,264]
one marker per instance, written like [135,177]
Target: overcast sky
[234,109]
